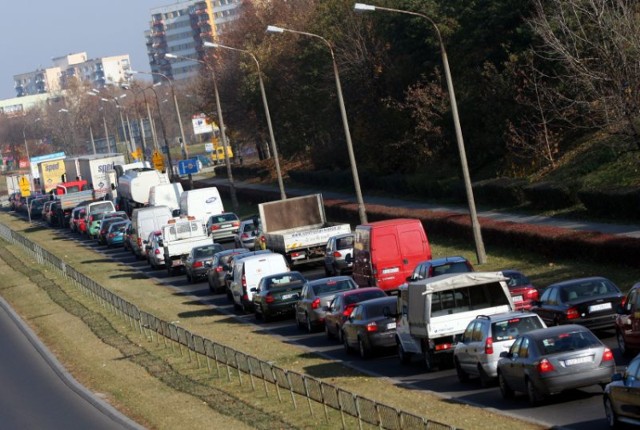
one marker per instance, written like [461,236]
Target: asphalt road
[576,409]
[37,393]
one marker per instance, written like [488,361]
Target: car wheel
[257,315]
[532,392]
[327,332]
[612,419]
[265,316]
[429,361]
[299,323]
[462,375]
[340,334]
[622,345]
[211,287]
[363,349]
[229,296]
[405,357]
[485,380]
[505,390]
[190,279]
[308,323]
[345,344]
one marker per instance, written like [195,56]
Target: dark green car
[277,294]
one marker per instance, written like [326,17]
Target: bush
[549,195]
[505,192]
[622,202]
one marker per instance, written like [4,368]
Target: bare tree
[592,54]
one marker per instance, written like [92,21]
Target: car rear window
[288,280]
[458,267]
[223,217]
[510,329]
[362,296]
[587,289]
[373,310]
[206,252]
[570,341]
[333,287]
[344,242]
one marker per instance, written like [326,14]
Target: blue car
[115,234]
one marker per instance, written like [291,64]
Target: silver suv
[485,338]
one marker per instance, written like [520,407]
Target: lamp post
[26,148]
[95,93]
[345,123]
[477,234]
[162,128]
[274,147]
[223,135]
[66,144]
[140,121]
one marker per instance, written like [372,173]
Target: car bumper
[596,323]
[584,378]
[286,308]
[224,235]
[383,340]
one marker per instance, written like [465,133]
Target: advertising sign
[51,174]
[201,124]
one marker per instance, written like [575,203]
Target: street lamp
[274,147]
[95,93]
[26,148]
[225,144]
[477,234]
[140,121]
[352,159]
[162,128]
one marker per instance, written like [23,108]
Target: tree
[592,53]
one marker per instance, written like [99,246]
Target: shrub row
[551,242]
[498,192]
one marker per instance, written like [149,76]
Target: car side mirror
[505,354]
[253,290]
[161,243]
[326,308]
[175,213]
[616,377]
[208,264]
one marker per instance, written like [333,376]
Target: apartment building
[98,72]
[181,29]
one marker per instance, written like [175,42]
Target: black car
[591,302]
[195,263]
[371,326]
[622,396]
[277,294]
[217,268]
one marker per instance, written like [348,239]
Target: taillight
[235,224]
[140,242]
[197,264]
[532,294]
[624,301]
[607,355]
[348,310]
[219,269]
[337,254]
[572,313]
[443,346]
[372,327]
[244,236]
[112,235]
[157,251]
[244,281]
[488,346]
[263,239]
[545,366]
[315,304]
[269,298]
[215,227]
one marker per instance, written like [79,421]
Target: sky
[34,32]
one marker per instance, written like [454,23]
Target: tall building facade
[181,29]
[98,72]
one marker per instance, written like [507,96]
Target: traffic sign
[188,167]
[158,161]
[25,186]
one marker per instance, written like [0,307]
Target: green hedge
[621,203]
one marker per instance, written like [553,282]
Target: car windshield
[587,289]
[333,287]
[565,342]
[512,328]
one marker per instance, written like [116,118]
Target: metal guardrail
[231,362]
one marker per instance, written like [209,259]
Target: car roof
[378,300]
[555,330]
[577,281]
[360,290]
[456,280]
[445,260]
[506,316]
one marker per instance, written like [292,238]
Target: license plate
[600,307]
[579,360]
[289,296]
[517,298]
[390,270]
[391,325]
[225,226]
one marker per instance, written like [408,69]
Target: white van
[144,221]
[247,273]
[166,195]
[433,313]
[201,203]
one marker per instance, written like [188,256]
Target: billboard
[51,174]
[201,124]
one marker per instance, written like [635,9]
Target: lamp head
[274,29]
[170,56]
[209,44]
[363,7]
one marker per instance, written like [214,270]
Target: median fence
[231,364]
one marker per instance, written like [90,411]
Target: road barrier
[233,363]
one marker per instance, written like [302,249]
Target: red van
[386,252]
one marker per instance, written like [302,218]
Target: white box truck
[166,195]
[95,169]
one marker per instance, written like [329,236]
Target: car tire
[265,316]
[190,279]
[622,344]
[299,323]
[340,334]
[429,361]
[485,380]
[612,418]
[535,398]
[505,390]
[363,349]
[308,324]
[405,357]
[328,333]
[211,287]
[347,348]
[257,315]
[462,375]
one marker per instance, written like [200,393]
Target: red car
[523,293]
[342,305]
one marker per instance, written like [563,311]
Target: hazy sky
[35,31]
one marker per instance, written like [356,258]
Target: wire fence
[232,364]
